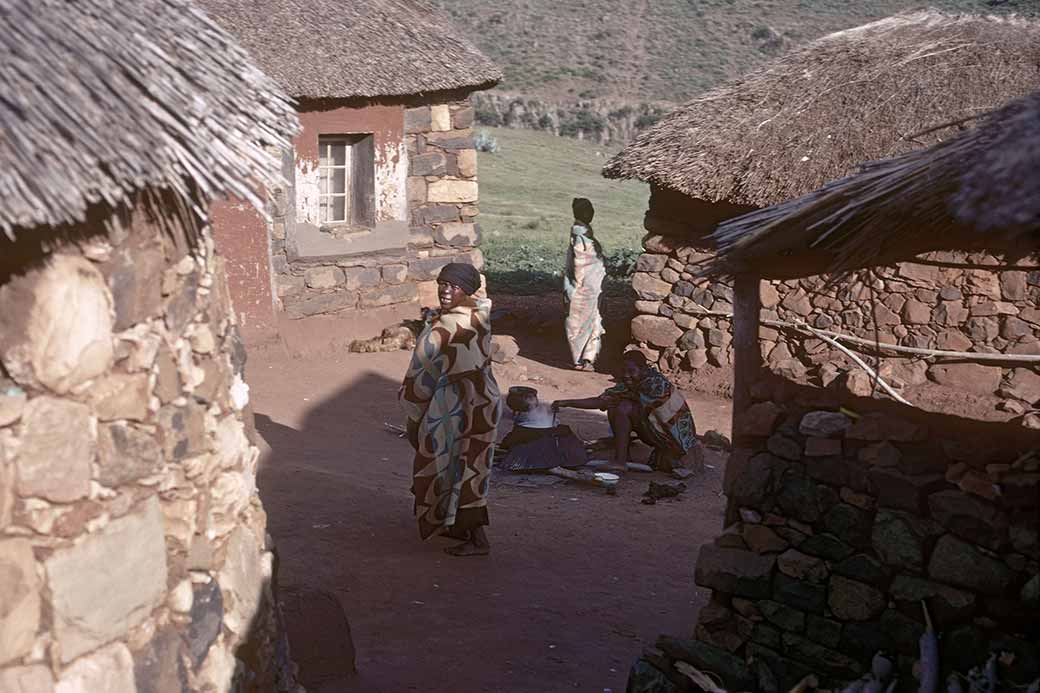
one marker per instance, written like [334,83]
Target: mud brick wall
[845,525]
[939,305]
[442,198]
[133,553]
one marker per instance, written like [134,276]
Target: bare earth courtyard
[577,583]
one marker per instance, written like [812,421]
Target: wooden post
[747,364]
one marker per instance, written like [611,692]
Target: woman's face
[449,295]
[631,373]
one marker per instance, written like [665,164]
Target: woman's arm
[420,381]
[588,403]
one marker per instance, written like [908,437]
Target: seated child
[536,441]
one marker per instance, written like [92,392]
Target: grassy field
[526,190]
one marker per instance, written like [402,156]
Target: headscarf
[583,210]
[464,276]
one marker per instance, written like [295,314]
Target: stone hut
[382,179]
[133,551]
[883,89]
[846,513]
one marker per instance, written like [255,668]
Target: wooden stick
[809,681]
[861,363]
[929,647]
[701,679]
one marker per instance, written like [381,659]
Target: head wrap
[636,357]
[464,276]
[583,210]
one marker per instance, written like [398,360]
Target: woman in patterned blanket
[451,400]
[647,404]
[583,286]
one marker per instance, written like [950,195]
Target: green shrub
[485,142]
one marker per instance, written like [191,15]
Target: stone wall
[949,302]
[133,553]
[846,523]
[441,227]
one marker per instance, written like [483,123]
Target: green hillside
[525,208]
[659,50]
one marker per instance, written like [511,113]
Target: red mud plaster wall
[241,237]
[385,123]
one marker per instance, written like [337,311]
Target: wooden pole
[747,362]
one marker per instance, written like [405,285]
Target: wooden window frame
[358,182]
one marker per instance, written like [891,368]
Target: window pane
[339,209]
[323,153]
[339,154]
[323,181]
[339,181]
[323,210]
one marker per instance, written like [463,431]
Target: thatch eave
[892,210]
[814,114]
[103,100]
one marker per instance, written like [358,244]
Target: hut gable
[361,49]
[875,91]
[153,94]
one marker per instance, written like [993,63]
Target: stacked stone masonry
[133,552]
[846,524]
[442,207]
[684,323]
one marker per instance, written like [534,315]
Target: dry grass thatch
[978,189]
[858,95]
[355,48]
[102,98]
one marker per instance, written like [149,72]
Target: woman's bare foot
[468,548]
[476,545]
[456,533]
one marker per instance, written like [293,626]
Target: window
[346,180]
[333,164]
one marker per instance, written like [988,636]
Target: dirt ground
[577,583]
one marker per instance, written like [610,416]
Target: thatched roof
[858,95]
[980,189]
[355,48]
[102,98]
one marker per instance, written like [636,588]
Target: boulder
[90,603]
[782,616]
[655,330]
[970,518]
[958,563]
[946,604]
[969,377]
[800,566]
[735,572]
[850,600]
[649,287]
[863,568]
[56,429]
[799,594]
[760,419]
[56,324]
[20,587]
